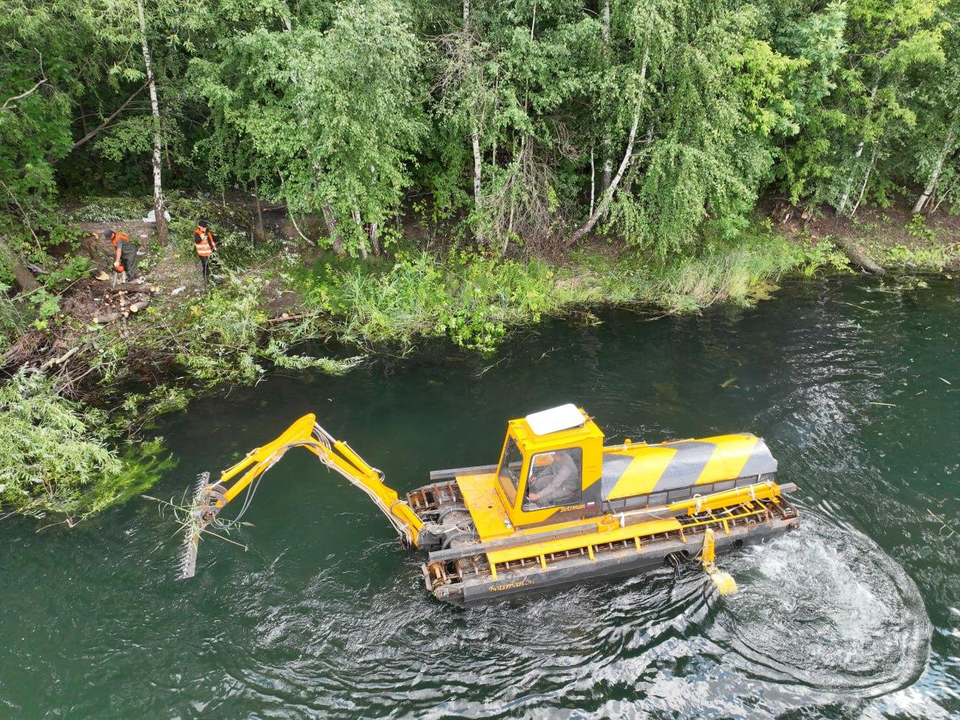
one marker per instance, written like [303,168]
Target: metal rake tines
[193,527]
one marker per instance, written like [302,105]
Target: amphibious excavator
[558,508]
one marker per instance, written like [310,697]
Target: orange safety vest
[118,236]
[206,246]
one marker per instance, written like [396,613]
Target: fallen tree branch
[608,193]
[26,219]
[60,360]
[297,227]
[858,257]
[288,318]
[607,197]
[106,123]
[133,287]
[106,318]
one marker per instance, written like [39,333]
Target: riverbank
[100,362]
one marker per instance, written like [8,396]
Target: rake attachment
[198,516]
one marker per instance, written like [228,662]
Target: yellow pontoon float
[557,509]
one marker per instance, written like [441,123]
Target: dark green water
[855,616]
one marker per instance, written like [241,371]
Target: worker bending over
[206,246]
[125,257]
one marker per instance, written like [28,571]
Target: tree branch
[93,133]
[21,96]
[607,197]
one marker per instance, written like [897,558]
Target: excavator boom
[210,499]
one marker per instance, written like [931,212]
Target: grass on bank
[474,300]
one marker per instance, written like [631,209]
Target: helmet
[203,224]
[108,234]
[543,460]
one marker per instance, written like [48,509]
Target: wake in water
[825,607]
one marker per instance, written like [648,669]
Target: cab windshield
[554,479]
[510,465]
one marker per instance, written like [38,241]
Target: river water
[854,385]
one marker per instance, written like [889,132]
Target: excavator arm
[210,499]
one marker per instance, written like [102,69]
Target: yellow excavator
[558,508]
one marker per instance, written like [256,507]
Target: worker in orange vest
[125,257]
[205,246]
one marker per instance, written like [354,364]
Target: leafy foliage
[55,457]
[509,116]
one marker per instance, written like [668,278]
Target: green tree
[333,105]
[935,142]
[887,39]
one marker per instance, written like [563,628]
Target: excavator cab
[550,467]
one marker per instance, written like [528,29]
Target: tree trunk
[359,221]
[845,198]
[260,233]
[607,142]
[474,125]
[940,196]
[934,174]
[15,262]
[593,182]
[158,206]
[375,238]
[604,204]
[477,161]
[857,256]
[83,118]
[866,179]
[601,209]
[331,221]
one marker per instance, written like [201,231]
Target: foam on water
[826,608]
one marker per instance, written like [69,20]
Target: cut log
[286,317]
[139,305]
[858,257]
[109,317]
[134,287]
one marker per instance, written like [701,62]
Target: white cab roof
[555,419]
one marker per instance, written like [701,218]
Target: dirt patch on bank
[880,228]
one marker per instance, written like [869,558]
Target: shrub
[54,458]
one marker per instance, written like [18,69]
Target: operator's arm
[116,257]
[565,470]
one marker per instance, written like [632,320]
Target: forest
[446,169]
[529,122]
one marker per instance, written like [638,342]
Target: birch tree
[936,141]
[158,205]
[887,39]
[331,102]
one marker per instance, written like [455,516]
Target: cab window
[554,479]
[510,466]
